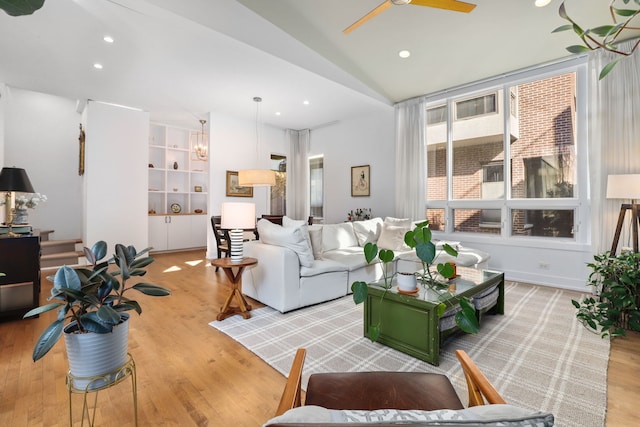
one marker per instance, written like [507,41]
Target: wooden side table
[227,266]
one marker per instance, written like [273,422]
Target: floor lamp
[625,187]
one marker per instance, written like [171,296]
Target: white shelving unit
[174,175]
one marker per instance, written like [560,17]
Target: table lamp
[12,180]
[237,217]
[625,187]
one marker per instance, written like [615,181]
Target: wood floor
[190,374]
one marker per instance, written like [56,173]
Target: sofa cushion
[288,237]
[392,237]
[321,266]
[315,236]
[353,257]
[367,231]
[484,415]
[336,236]
[294,223]
[401,222]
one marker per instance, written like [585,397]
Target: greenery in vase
[615,301]
[606,36]
[94,298]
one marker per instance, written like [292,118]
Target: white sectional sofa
[300,265]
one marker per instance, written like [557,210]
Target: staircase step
[49,247]
[60,259]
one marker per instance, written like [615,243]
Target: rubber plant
[94,297]
[606,36]
[614,304]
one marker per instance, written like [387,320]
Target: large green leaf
[467,319]
[66,277]
[42,309]
[151,289]
[576,48]
[374,333]
[20,7]
[47,339]
[426,251]
[624,12]
[607,69]
[386,255]
[360,291]
[446,270]
[370,252]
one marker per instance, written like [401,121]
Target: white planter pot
[407,282]
[94,355]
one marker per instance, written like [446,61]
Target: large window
[316,192]
[509,171]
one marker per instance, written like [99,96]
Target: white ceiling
[180,59]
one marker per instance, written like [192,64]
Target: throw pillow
[288,237]
[402,222]
[392,237]
[337,236]
[367,231]
[294,223]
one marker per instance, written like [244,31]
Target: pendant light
[257,177]
[200,143]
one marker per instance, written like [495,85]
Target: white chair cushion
[288,237]
[367,231]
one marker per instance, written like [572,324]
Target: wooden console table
[20,286]
[227,266]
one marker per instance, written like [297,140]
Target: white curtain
[410,159]
[298,174]
[614,139]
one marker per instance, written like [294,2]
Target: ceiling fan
[454,5]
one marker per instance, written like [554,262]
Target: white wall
[364,140]
[116,177]
[41,136]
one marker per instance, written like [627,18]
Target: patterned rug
[537,355]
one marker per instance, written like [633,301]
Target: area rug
[537,355]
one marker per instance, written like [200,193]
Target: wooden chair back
[481,391]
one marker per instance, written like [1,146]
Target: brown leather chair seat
[382,390]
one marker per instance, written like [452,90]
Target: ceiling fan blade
[376,11]
[455,5]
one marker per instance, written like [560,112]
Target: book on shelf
[17,229]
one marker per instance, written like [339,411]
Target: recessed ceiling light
[277,113]
[98,66]
[108,39]
[404,54]
[542,3]
[305,102]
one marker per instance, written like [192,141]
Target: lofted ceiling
[179,60]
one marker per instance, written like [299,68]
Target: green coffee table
[410,323]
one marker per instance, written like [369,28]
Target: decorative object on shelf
[626,187]
[233,189]
[150,165]
[175,188]
[607,36]
[81,142]
[200,143]
[360,181]
[93,301]
[12,180]
[237,217]
[197,189]
[613,305]
[359,214]
[198,211]
[175,165]
[176,208]
[257,177]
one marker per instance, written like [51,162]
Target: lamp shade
[623,186]
[256,178]
[15,179]
[238,216]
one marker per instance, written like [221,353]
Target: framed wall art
[360,181]
[233,189]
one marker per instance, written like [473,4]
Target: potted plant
[91,305]
[420,239]
[614,305]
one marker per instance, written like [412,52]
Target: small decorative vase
[175,165]
[21,216]
[407,282]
